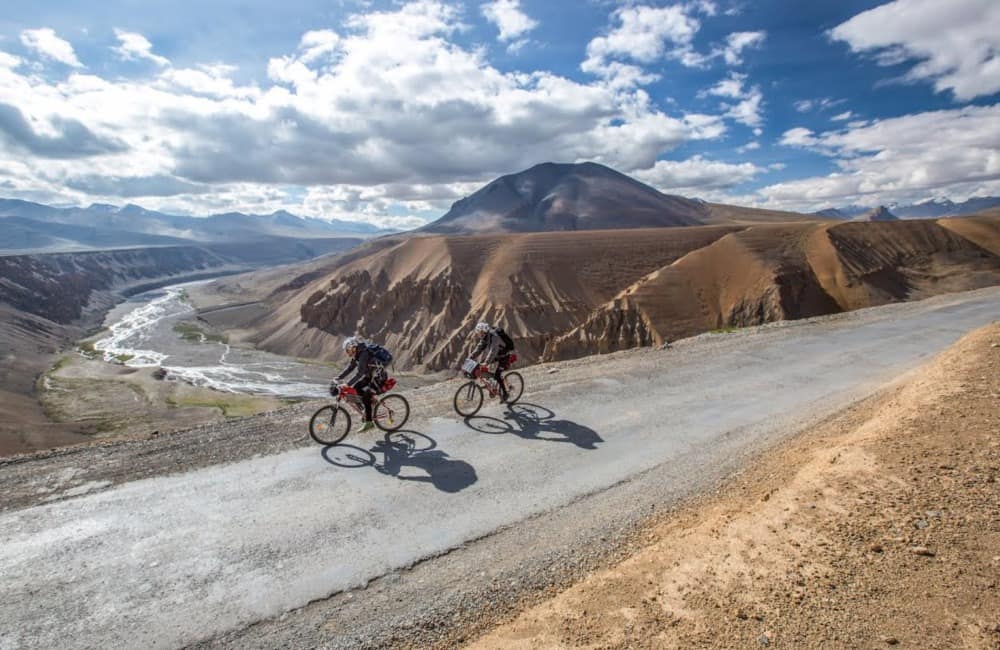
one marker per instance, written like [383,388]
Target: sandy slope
[569,294]
[878,528]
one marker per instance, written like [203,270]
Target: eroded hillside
[569,294]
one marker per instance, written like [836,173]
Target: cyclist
[494,346]
[369,373]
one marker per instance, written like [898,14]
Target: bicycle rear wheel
[392,412]
[515,386]
[468,399]
[330,425]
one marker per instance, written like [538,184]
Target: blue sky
[389,111]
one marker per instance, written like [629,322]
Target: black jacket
[363,365]
[493,345]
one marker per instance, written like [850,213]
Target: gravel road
[244,535]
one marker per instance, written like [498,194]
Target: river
[142,329]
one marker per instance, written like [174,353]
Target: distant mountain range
[34,226]
[926,210]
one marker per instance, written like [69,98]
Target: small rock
[920,524]
[553,371]
[765,638]
[921,550]
[890,640]
[875,548]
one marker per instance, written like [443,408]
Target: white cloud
[749,109]
[819,104]
[697,176]
[956,43]
[646,34]
[45,42]
[843,117]
[135,46]
[385,111]
[950,153]
[798,137]
[750,146]
[509,19]
[736,42]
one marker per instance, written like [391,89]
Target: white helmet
[483,327]
[350,343]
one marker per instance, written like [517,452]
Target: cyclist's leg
[501,366]
[364,390]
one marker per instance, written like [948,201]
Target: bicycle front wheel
[392,412]
[515,386]
[330,425]
[468,399]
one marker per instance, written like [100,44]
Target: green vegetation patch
[232,406]
[724,330]
[124,358]
[194,334]
[87,349]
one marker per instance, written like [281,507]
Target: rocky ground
[879,528]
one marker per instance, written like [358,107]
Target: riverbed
[158,329]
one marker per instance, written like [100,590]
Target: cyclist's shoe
[367,426]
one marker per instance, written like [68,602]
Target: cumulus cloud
[842,117]
[133,46]
[45,42]
[697,175]
[749,106]
[368,121]
[68,139]
[646,34]
[736,42]
[507,16]
[906,159]
[956,44]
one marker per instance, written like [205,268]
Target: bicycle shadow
[403,449]
[536,422]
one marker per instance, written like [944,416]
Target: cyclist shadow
[403,449]
[535,422]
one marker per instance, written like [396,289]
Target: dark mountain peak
[831,213]
[881,213]
[566,196]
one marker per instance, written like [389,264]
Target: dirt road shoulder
[880,527]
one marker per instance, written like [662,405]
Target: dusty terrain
[879,528]
[569,294]
[50,301]
[246,535]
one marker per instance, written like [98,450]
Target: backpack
[507,341]
[380,354]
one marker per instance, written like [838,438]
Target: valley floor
[880,527]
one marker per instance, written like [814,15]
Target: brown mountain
[881,213]
[584,196]
[566,294]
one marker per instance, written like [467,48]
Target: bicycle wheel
[468,399]
[330,425]
[392,412]
[515,386]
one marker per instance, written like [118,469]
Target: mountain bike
[469,396]
[331,424]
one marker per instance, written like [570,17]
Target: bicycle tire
[468,399]
[515,386]
[398,412]
[325,425]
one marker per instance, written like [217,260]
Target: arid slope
[778,272]
[876,529]
[568,294]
